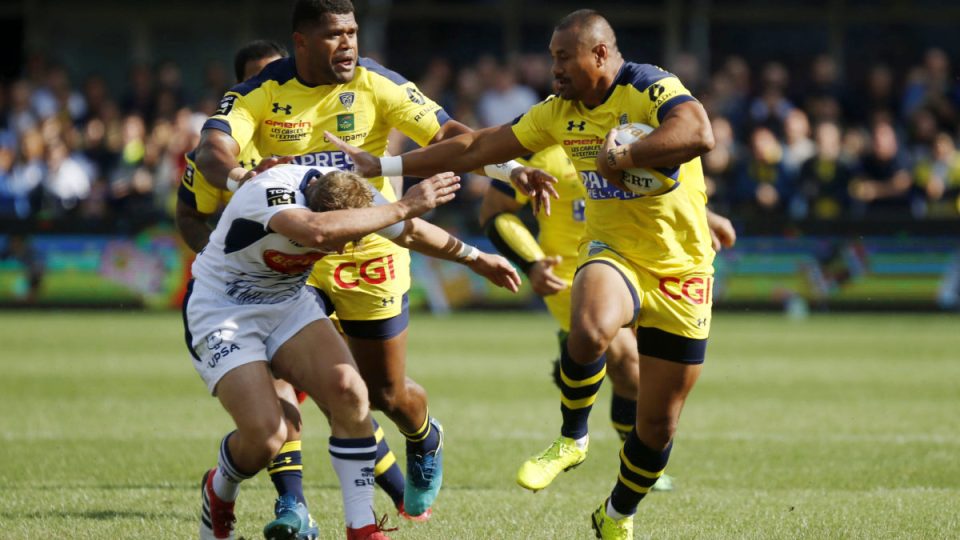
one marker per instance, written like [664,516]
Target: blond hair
[339,190]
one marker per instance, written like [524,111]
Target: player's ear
[299,40]
[601,54]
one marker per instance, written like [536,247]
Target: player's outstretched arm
[424,237]
[329,231]
[465,152]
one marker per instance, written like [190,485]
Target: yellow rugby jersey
[666,234]
[560,232]
[280,115]
[198,193]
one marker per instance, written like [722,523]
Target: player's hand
[542,278]
[430,193]
[497,270]
[365,164]
[721,231]
[537,184]
[607,161]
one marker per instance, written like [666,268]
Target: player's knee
[349,394]
[656,432]
[264,436]
[386,397]
[586,343]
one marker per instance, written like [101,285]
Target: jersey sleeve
[532,128]
[660,97]
[238,113]
[404,105]
[196,192]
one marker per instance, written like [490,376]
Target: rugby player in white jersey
[248,318]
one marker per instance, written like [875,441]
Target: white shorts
[223,335]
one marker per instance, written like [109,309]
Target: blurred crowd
[799,143]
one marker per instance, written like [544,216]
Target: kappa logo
[347,99]
[287,109]
[415,96]
[580,127]
[656,89]
[226,105]
[188,175]
[278,196]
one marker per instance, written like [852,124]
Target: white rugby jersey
[244,259]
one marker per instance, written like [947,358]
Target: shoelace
[556,450]
[285,504]
[381,523]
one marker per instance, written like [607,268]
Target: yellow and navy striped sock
[579,384]
[623,415]
[423,440]
[640,467]
[286,471]
[386,472]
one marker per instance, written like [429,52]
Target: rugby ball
[642,181]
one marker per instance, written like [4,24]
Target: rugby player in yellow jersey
[645,262]
[284,112]
[550,263]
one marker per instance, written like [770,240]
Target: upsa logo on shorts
[695,290]
[374,271]
[287,263]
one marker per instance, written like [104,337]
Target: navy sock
[386,471]
[579,385]
[623,415]
[640,467]
[286,471]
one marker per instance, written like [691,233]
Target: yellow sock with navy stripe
[286,471]
[579,385]
[386,472]
[623,415]
[640,467]
[423,440]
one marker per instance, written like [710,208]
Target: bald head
[590,27]
[585,56]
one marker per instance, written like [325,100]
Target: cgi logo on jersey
[694,290]
[373,271]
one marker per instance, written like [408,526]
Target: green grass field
[833,427]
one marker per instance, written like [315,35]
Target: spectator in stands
[720,165]
[505,99]
[763,185]
[879,97]
[938,179]
[882,181]
[29,170]
[67,182]
[771,106]
[824,178]
[797,145]
[934,87]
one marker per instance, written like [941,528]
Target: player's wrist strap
[501,171]
[391,166]
[233,182]
[467,253]
[514,241]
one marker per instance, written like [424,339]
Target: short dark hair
[255,50]
[309,12]
[580,17]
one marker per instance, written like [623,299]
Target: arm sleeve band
[513,240]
